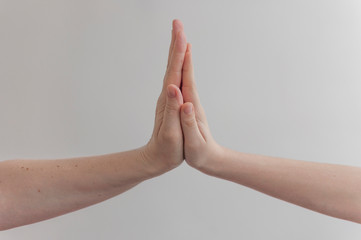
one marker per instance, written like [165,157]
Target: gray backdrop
[279,78]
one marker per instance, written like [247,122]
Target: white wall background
[280,78]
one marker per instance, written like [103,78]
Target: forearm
[326,188]
[35,190]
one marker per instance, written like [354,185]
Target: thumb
[192,135]
[174,101]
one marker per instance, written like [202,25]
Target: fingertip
[173,87]
[187,108]
[177,24]
[174,92]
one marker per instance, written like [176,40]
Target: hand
[164,151]
[200,149]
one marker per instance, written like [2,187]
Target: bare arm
[35,190]
[330,189]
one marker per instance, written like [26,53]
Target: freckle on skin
[57,166]
[38,190]
[27,169]
[76,165]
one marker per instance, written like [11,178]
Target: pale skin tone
[330,189]
[35,190]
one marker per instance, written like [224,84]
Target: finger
[191,133]
[189,89]
[176,27]
[174,71]
[171,119]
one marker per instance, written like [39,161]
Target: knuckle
[159,113]
[189,122]
[173,73]
[177,60]
[171,107]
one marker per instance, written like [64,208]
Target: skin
[36,190]
[330,189]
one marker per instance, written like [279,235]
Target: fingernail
[171,93]
[188,109]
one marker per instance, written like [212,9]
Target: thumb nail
[188,109]
[171,92]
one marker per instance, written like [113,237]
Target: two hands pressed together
[181,130]
[36,190]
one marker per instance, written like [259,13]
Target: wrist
[150,164]
[226,164]
[215,160]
